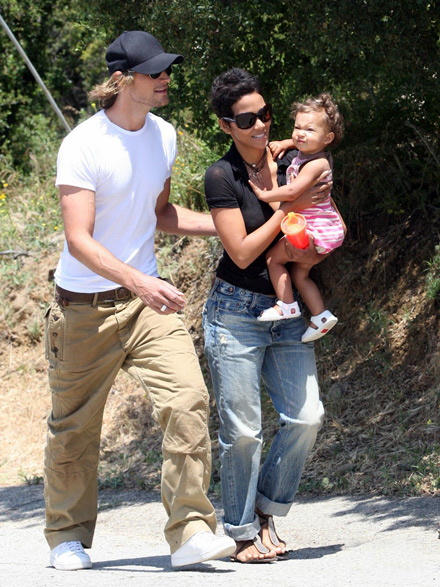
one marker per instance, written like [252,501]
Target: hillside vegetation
[379,368]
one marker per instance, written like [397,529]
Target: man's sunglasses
[157,75]
[248,119]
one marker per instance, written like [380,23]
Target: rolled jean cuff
[271,508]
[246,532]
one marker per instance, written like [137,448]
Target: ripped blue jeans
[243,353]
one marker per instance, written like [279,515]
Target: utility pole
[35,73]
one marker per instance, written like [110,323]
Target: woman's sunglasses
[157,75]
[248,119]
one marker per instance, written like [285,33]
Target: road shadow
[24,502]
[313,553]
[21,502]
[401,512]
[154,564]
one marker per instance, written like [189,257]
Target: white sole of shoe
[72,567]
[321,329]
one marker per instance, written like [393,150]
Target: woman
[243,352]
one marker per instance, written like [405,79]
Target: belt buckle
[121,293]
[60,300]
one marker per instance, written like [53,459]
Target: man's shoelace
[75,546]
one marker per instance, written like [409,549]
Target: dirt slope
[379,369]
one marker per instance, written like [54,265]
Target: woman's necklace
[254,169]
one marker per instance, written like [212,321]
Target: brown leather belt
[119,294]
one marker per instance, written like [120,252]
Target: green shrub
[193,158]
[433,275]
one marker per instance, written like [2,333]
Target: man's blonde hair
[105,94]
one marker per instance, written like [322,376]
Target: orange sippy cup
[294,227]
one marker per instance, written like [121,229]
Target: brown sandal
[242,545]
[267,523]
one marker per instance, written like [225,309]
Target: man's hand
[158,294]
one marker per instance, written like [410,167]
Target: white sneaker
[201,547]
[70,556]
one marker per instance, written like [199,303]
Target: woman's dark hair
[229,87]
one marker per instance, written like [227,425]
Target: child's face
[310,133]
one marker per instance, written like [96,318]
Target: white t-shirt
[127,171]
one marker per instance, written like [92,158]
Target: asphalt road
[337,542]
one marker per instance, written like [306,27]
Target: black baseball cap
[139,51]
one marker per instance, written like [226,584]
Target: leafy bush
[433,275]
[193,158]
[29,210]
[379,59]
[67,54]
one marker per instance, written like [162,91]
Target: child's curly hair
[333,118]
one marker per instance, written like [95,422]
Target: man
[112,311]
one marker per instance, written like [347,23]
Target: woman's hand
[312,196]
[308,256]
[339,214]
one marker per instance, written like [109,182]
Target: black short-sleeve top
[227,186]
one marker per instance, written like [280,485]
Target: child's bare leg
[285,306]
[307,288]
[322,320]
[276,259]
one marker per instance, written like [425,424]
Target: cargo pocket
[54,333]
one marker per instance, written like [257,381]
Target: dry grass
[379,373]
[25,406]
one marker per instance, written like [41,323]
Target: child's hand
[278,148]
[257,191]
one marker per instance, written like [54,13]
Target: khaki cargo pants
[86,345]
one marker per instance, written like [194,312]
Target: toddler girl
[318,125]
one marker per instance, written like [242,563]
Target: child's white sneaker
[272,314]
[323,322]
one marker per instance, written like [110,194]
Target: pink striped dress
[323,222]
